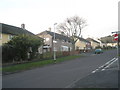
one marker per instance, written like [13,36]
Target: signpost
[116,38]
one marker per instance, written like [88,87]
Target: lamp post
[54,43]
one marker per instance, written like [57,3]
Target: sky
[39,15]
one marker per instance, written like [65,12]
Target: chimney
[23,26]
[62,33]
[49,29]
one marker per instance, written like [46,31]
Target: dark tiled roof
[9,29]
[57,36]
[84,40]
[107,39]
[90,39]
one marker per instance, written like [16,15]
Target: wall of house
[80,45]
[94,44]
[5,38]
[112,44]
[103,44]
[62,45]
[47,39]
[59,44]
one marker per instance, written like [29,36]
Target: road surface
[60,75]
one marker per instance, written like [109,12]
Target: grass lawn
[31,65]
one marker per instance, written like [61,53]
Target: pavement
[103,77]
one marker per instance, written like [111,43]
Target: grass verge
[31,65]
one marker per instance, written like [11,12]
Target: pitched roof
[84,40]
[57,36]
[90,39]
[9,29]
[107,39]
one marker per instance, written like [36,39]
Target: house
[61,42]
[8,32]
[82,44]
[102,44]
[114,44]
[93,42]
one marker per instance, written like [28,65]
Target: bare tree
[72,28]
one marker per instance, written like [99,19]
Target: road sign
[115,37]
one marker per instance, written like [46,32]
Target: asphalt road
[60,75]
[103,77]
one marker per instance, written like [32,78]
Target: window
[77,40]
[44,40]
[69,42]
[65,40]
[64,48]
[10,37]
[47,39]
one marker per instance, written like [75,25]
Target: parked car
[98,51]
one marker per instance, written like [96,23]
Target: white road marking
[111,63]
[102,69]
[93,71]
[101,66]
[106,65]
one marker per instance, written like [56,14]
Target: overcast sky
[39,15]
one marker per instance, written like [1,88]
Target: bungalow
[61,42]
[93,42]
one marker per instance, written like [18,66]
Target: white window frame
[64,48]
[47,39]
[10,37]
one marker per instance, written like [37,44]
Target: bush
[98,47]
[8,53]
[66,53]
[59,54]
[47,55]
[18,48]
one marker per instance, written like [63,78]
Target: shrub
[18,48]
[8,53]
[47,55]
[59,54]
[98,47]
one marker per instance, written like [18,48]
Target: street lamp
[54,42]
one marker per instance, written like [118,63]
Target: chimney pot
[49,29]
[23,26]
